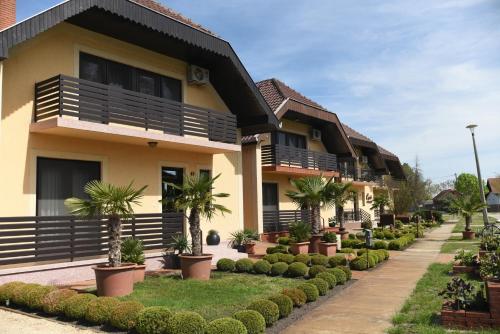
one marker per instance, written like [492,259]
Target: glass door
[270,197]
[170,175]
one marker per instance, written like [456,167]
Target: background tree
[412,192]
[380,202]
[467,184]
[342,194]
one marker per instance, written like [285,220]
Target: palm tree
[115,202]
[195,196]
[313,193]
[466,206]
[380,202]
[342,193]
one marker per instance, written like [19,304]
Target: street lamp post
[471,127]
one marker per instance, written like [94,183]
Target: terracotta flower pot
[139,272]
[314,243]
[196,267]
[299,248]
[468,235]
[344,235]
[284,234]
[327,248]
[115,281]
[458,269]
[250,248]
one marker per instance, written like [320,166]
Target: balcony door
[169,176]
[270,197]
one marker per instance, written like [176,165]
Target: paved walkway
[368,305]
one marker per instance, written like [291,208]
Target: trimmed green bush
[99,310]
[277,249]
[279,268]
[340,275]
[380,255]
[388,235]
[319,260]
[225,265]
[285,304]
[351,243]
[310,290]
[372,260]
[347,272]
[186,322]
[380,245]
[7,289]
[348,251]
[262,267]
[395,245]
[297,296]
[125,315]
[297,269]
[244,266]
[268,309]
[76,306]
[316,269]
[21,293]
[53,302]
[287,258]
[35,297]
[321,284]
[362,251]
[378,234]
[359,263]
[271,258]
[385,252]
[253,321]
[304,258]
[328,278]
[284,241]
[337,260]
[153,320]
[225,326]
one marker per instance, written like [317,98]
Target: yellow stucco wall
[56,52]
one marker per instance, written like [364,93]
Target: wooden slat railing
[281,155]
[279,220]
[66,96]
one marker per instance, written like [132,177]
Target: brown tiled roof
[351,133]
[494,185]
[158,7]
[276,91]
[252,139]
[445,193]
[385,152]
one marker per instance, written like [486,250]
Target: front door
[170,175]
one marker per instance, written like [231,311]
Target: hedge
[225,326]
[319,259]
[304,258]
[359,263]
[285,304]
[99,310]
[328,278]
[36,295]
[316,269]
[225,265]
[152,320]
[287,258]
[279,268]
[297,296]
[337,260]
[53,302]
[186,322]
[244,266]
[21,293]
[252,320]
[297,269]
[321,284]
[271,258]
[268,309]
[340,275]
[125,315]
[7,289]
[262,267]
[310,290]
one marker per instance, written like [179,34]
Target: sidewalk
[368,305]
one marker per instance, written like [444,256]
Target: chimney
[7,13]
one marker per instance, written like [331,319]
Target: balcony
[279,220]
[72,106]
[290,160]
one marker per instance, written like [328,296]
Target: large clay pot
[299,248]
[139,272]
[344,235]
[468,235]
[314,243]
[327,248]
[115,281]
[196,267]
[213,239]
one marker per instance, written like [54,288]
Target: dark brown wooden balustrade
[281,155]
[68,238]
[279,220]
[66,96]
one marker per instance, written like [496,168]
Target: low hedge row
[369,259]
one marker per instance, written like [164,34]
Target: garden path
[368,305]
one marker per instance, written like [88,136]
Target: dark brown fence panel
[277,221]
[281,155]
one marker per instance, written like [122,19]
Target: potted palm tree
[313,192]
[342,193]
[196,197]
[115,203]
[300,233]
[133,252]
[380,202]
[328,245]
[466,206]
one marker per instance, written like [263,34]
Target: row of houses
[130,91]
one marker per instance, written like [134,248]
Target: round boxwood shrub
[277,249]
[253,321]
[53,302]
[372,260]
[6,290]
[284,241]
[297,269]
[320,260]
[268,309]
[244,266]
[395,245]
[380,255]
[337,260]
[347,272]
[297,296]
[304,258]
[21,293]
[380,244]
[36,296]
[99,310]
[388,235]
[386,253]
[225,265]
[152,320]
[262,267]
[328,278]
[226,326]
[321,284]
[316,269]
[362,251]
[271,258]
[287,258]
[279,268]
[186,322]
[310,290]
[348,251]
[76,306]
[340,275]
[125,316]
[285,304]
[359,263]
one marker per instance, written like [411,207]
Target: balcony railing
[86,100]
[281,155]
[279,220]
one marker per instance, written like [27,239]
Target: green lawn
[477,223]
[420,313]
[221,296]
[452,246]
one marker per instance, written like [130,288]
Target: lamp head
[471,127]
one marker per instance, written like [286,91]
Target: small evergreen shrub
[340,275]
[287,258]
[271,258]
[152,320]
[53,302]
[297,269]
[316,269]
[395,245]
[21,293]
[253,321]
[348,251]
[76,306]
[380,255]
[310,290]
[297,296]
[99,310]
[277,249]
[225,326]
[337,260]
[186,322]
[321,284]
[304,258]
[388,235]
[284,241]
[125,316]
[372,260]
[359,263]
[267,309]
[378,234]
[7,289]
[351,243]
[320,260]
[244,266]
[225,265]
[347,272]
[262,267]
[35,297]
[279,268]
[328,278]
[285,304]
[380,245]
[385,252]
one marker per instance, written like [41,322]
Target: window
[289,139]
[170,175]
[111,73]
[270,196]
[205,173]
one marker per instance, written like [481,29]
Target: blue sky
[408,74]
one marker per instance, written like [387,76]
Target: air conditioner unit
[364,159]
[316,134]
[198,75]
